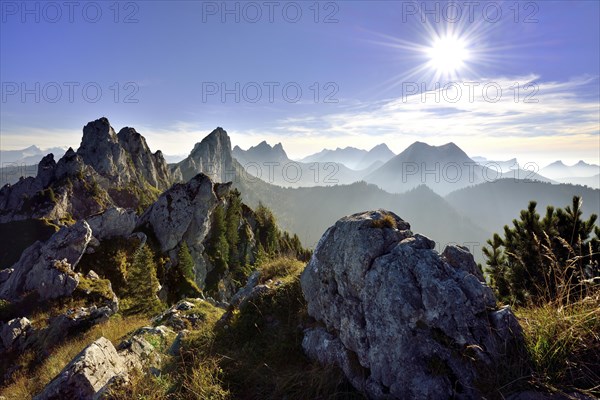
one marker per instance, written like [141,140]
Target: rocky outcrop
[13,331]
[152,166]
[113,222]
[401,320]
[101,367]
[107,169]
[48,267]
[144,350]
[101,150]
[78,320]
[182,214]
[88,374]
[212,157]
[122,158]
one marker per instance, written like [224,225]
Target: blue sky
[161,67]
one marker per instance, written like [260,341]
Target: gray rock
[175,348]
[182,214]
[100,366]
[5,274]
[70,199]
[88,374]
[76,320]
[100,149]
[115,165]
[48,267]
[55,281]
[152,166]
[140,354]
[13,330]
[114,222]
[245,292]
[329,350]
[399,319]
[184,305]
[212,157]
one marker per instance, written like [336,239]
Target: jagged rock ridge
[108,169]
[212,156]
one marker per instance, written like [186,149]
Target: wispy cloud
[519,107]
[549,120]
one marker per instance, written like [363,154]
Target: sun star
[447,55]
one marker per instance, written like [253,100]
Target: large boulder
[183,214]
[101,367]
[113,222]
[401,320]
[48,267]
[88,374]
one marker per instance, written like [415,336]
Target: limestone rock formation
[182,214]
[401,320]
[88,374]
[212,156]
[101,150]
[101,366]
[112,223]
[12,331]
[107,169]
[152,166]
[48,267]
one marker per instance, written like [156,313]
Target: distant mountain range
[495,204]
[307,211]
[443,168]
[559,171]
[272,164]
[29,156]
[504,166]
[353,158]
[111,168]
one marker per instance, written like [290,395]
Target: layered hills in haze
[351,157]
[442,190]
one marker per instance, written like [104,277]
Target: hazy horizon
[541,162]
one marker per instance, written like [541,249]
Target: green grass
[284,269]
[94,289]
[563,343]
[259,349]
[33,376]
[255,354]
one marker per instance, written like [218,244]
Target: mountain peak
[558,163]
[211,156]
[96,131]
[32,148]
[380,146]
[261,153]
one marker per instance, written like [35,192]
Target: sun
[448,55]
